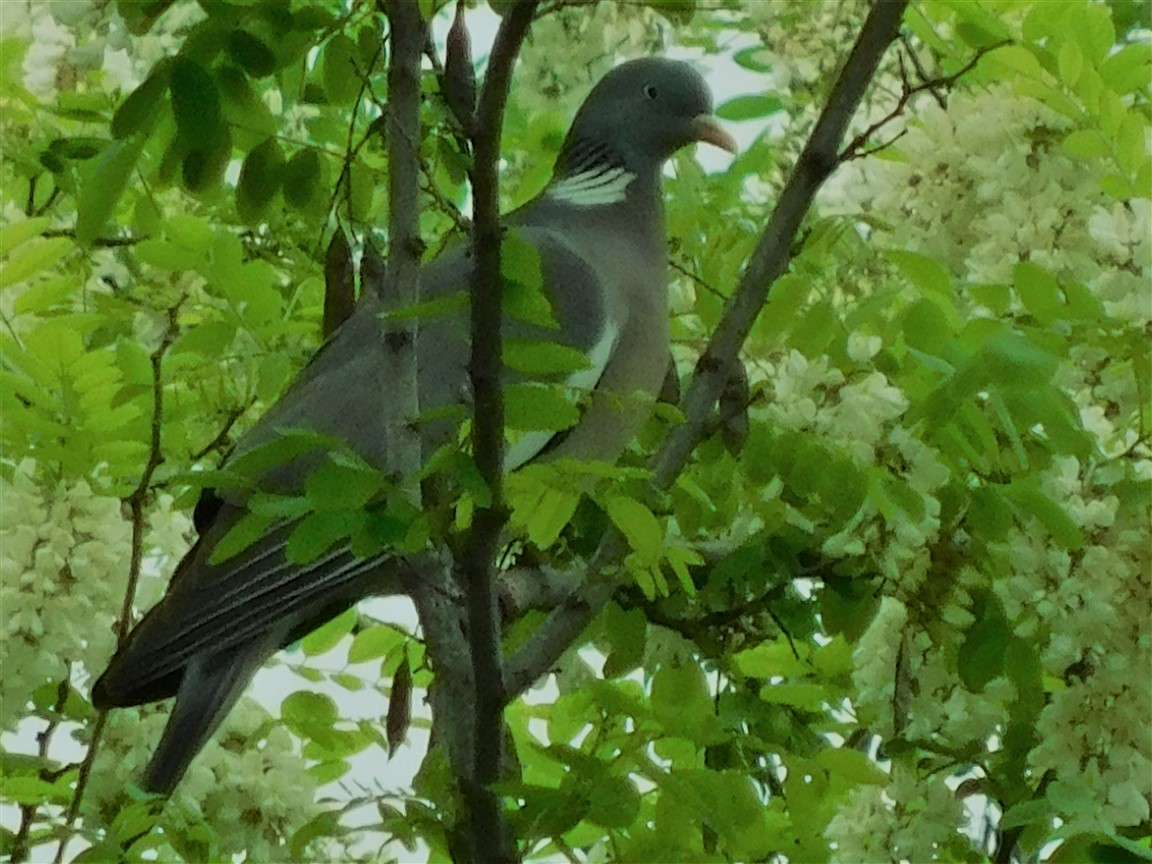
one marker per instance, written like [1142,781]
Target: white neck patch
[593,187]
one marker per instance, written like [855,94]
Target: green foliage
[924,576]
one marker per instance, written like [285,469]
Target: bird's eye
[649,91]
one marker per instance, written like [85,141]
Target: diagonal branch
[769,260]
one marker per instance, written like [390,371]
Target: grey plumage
[599,230]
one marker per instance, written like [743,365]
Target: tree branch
[768,262]
[402,275]
[489,831]
[770,258]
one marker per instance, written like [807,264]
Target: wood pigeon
[599,230]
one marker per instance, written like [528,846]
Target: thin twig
[222,436]
[137,502]
[856,149]
[103,242]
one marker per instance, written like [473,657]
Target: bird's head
[642,112]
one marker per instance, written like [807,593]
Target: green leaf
[33,257]
[373,643]
[169,256]
[1070,63]
[302,178]
[975,35]
[768,660]
[638,524]
[540,359]
[341,76]
[279,507]
[248,530]
[524,296]
[280,450]
[139,111]
[682,701]
[755,58]
[209,338]
[614,802]
[203,166]
[441,306]
[1093,30]
[1039,292]
[14,234]
[798,694]
[303,711]
[989,516]
[1086,144]
[627,633]
[1014,359]
[317,533]
[1019,60]
[44,294]
[537,407]
[101,190]
[251,54]
[341,487]
[750,107]
[28,790]
[1031,503]
[852,765]
[361,190]
[260,179]
[327,636]
[926,327]
[195,103]
[1028,813]
[542,502]
[329,772]
[926,273]
[1128,69]
[981,656]
[324,826]
[241,104]
[275,370]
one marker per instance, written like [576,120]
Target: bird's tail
[210,687]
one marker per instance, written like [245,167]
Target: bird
[599,229]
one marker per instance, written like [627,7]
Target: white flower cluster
[1089,610]
[984,184]
[251,779]
[64,554]
[1122,233]
[860,417]
[591,37]
[813,395]
[1106,390]
[70,38]
[936,704]
[63,565]
[804,40]
[910,819]
[875,660]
